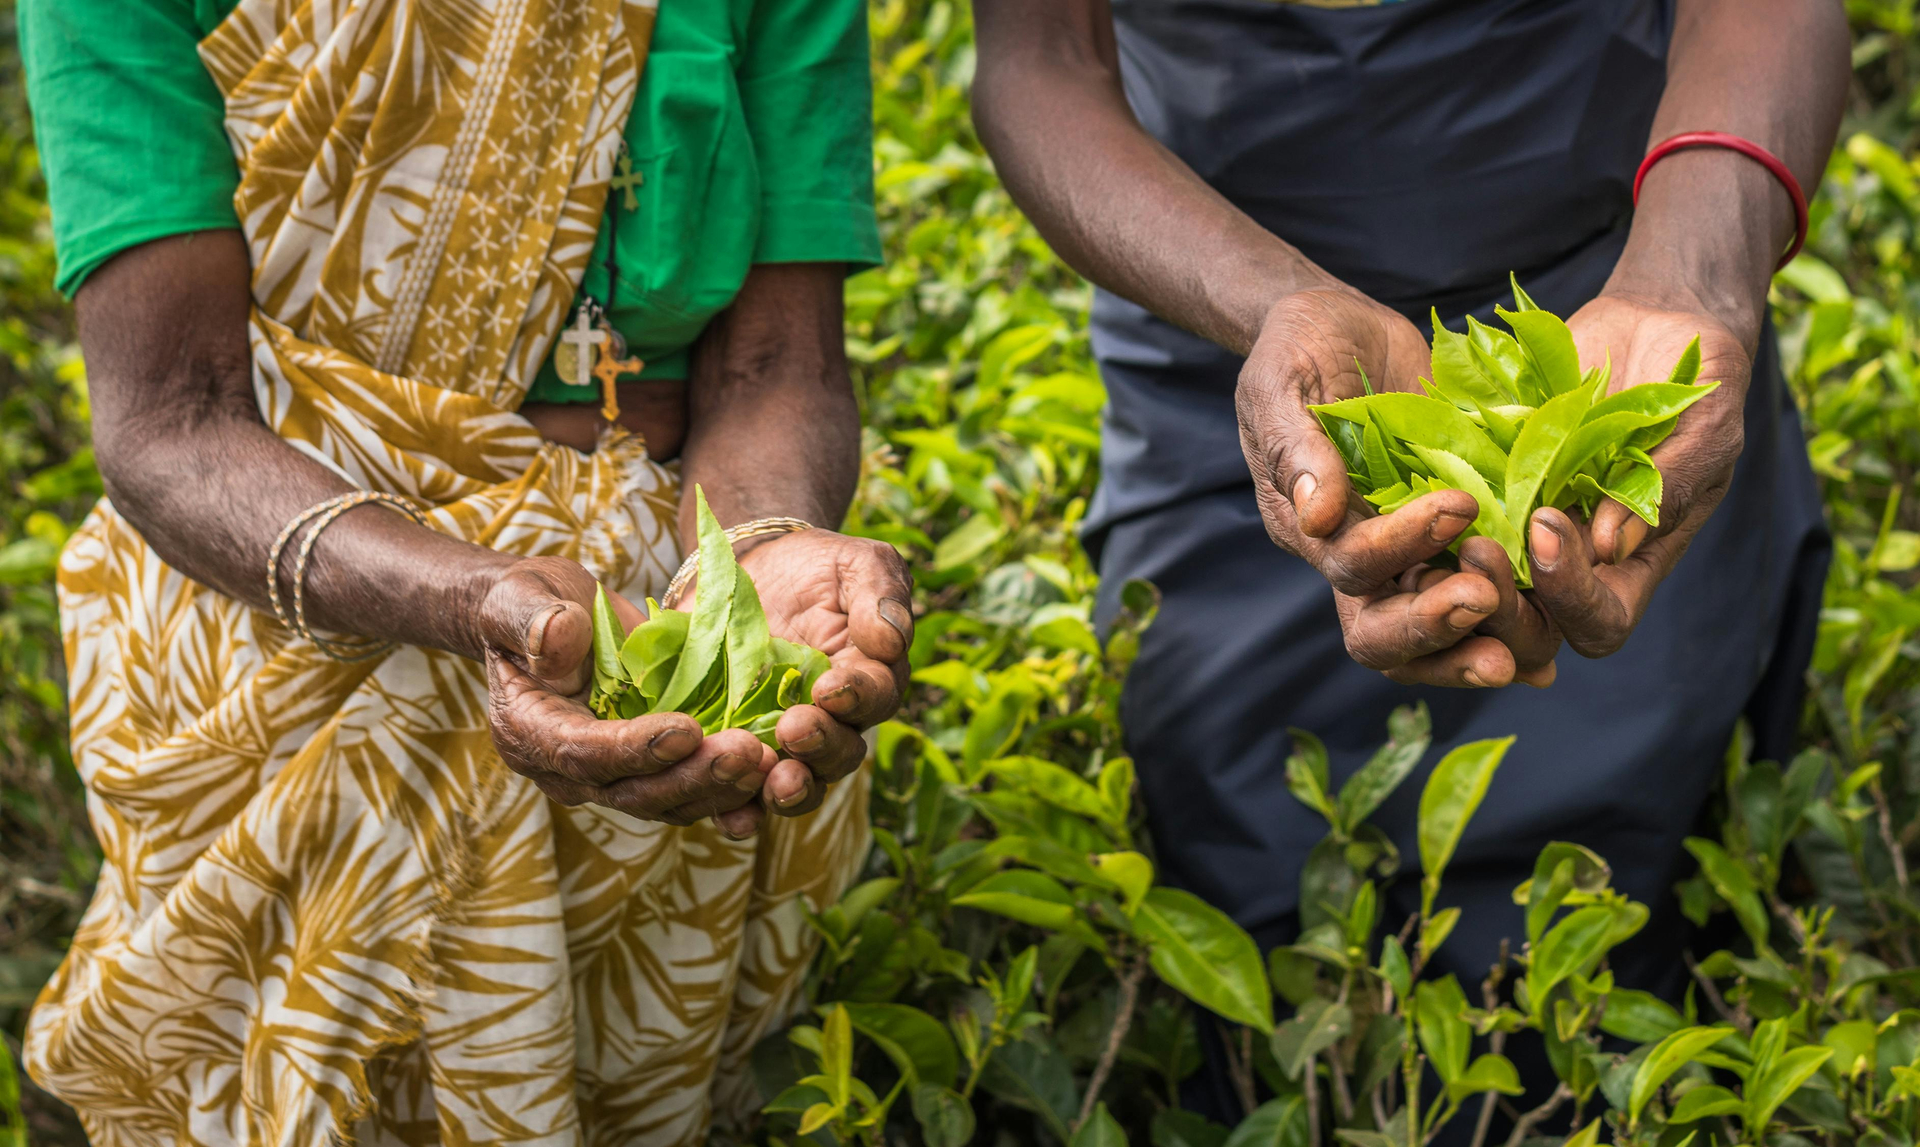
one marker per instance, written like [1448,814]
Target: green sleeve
[807,91]
[128,123]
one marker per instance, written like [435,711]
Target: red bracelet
[1752,151]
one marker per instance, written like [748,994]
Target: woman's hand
[851,599]
[535,629]
[1595,581]
[1416,624]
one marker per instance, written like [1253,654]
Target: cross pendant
[608,370]
[579,348]
[626,181]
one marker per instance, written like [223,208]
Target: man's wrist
[1710,225]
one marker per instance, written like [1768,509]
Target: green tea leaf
[653,649]
[1318,1025]
[713,603]
[1417,418]
[1639,488]
[1490,1072]
[1100,1130]
[1667,1057]
[1548,345]
[1497,354]
[1775,1085]
[1374,781]
[1447,1038]
[1492,521]
[608,636]
[1705,1102]
[1203,954]
[917,1043]
[749,643]
[1453,794]
[1687,370]
[1535,449]
[1275,1123]
[1457,376]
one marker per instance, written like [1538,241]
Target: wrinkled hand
[535,628]
[1416,624]
[1595,580]
[850,598]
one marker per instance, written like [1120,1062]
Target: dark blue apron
[1420,151]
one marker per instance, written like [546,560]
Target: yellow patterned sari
[328,913]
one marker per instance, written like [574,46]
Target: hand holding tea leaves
[723,665]
[534,624]
[1512,420]
[1617,562]
[1416,624]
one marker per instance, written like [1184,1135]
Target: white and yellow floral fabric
[328,913]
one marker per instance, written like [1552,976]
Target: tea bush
[1009,970]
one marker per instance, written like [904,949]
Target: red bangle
[1752,151]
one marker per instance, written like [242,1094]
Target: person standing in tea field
[1269,196]
[405,324]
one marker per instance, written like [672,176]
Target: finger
[741,823]
[1517,623]
[1475,663]
[1387,632]
[829,749]
[1587,609]
[707,782]
[1283,441]
[1616,531]
[535,614]
[542,732]
[1538,678]
[857,692]
[791,789]
[1369,553]
[876,592]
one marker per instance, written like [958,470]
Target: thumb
[544,627]
[1285,444]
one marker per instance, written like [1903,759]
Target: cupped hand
[535,629]
[1415,623]
[851,599]
[1595,580]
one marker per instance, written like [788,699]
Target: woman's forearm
[186,459]
[1116,205]
[1711,223]
[774,429]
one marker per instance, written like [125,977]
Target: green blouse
[751,130]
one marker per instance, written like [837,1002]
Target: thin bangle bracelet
[759,527]
[326,512]
[1751,150]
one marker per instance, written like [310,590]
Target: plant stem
[1539,1115]
[1342,1097]
[1713,995]
[1310,1079]
[1240,1065]
[1490,997]
[1129,992]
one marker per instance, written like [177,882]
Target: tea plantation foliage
[1009,972]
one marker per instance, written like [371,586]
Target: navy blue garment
[1420,151]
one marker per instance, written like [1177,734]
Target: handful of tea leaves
[719,663]
[1510,419]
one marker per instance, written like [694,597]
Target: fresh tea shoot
[719,663]
[1512,420]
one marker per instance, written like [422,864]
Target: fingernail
[1632,533]
[835,694]
[537,630]
[1474,679]
[730,767]
[808,743]
[1464,617]
[896,615]
[1303,490]
[727,832]
[1545,542]
[1447,525]
[672,744]
[806,789]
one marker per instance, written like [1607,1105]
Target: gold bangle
[759,527]
[323,515]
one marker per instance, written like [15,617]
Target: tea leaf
[1453,794]
[1667,1057]
[1198,951]
[1416,418]
[713,604]
[1492,521]
[1548,345]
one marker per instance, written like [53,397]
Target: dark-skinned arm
[775,432]
[1709,228]
[187,460]
[1128,214]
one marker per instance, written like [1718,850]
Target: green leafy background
[1009,971]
